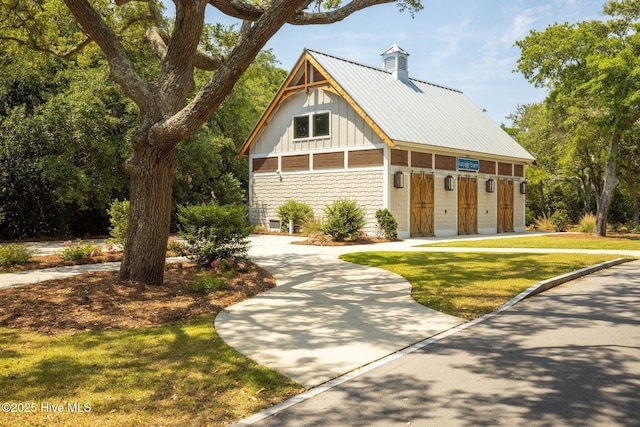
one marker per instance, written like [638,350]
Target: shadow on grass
[468,284]
[172,372]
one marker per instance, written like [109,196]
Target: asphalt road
[569,356]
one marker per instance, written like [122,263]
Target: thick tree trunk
[609,186]
[151,171]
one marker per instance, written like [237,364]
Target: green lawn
[552,241]
[469,285]
[176,374]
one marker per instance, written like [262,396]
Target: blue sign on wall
[468,165]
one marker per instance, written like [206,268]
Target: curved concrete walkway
[325,317]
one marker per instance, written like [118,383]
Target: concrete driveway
[326,317]
[567,357]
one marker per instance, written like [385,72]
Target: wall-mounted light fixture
[448,183]
[523,187]
[491,185]
[398,180]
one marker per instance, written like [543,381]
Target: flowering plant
[78,250]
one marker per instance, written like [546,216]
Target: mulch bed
[100,301]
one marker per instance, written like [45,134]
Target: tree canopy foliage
[592,72]
[155,62]
[66,132]
[63,141]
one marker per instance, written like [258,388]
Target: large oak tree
[171,107]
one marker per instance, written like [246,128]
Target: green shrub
[217,279]
[295,211]
[13,254]
[119,220]
[208,282]
[560,220]
[387,224]
[343,219]
[530,217]
[587,223]
[79,250]
[214,231]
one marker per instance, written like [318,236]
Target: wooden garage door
[422,208]
[467,205]
[505,205]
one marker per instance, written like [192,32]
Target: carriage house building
[337,129]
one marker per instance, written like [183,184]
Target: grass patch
[470,285]
[554,241]
[175,374]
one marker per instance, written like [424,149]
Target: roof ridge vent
[395,60]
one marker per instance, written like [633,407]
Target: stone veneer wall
[270,191]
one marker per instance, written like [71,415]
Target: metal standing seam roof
[420,112]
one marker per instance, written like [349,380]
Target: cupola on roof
[395,60]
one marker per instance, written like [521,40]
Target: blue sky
[464,44]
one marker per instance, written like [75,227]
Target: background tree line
[65,131]
[66,128]
[585,134]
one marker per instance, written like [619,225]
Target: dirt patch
[100,301]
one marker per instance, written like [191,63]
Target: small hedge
[214,232]
[343,219]
[13,254]
[119,220]
[295,211]
[387,224]
[560,220]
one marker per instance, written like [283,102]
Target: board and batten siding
[270,191]
[347,128]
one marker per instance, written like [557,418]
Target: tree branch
[176,75]
[122,68]
[186,122]
[159,38]
[239,9]
[308,18]
[64,55]
[249,12]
